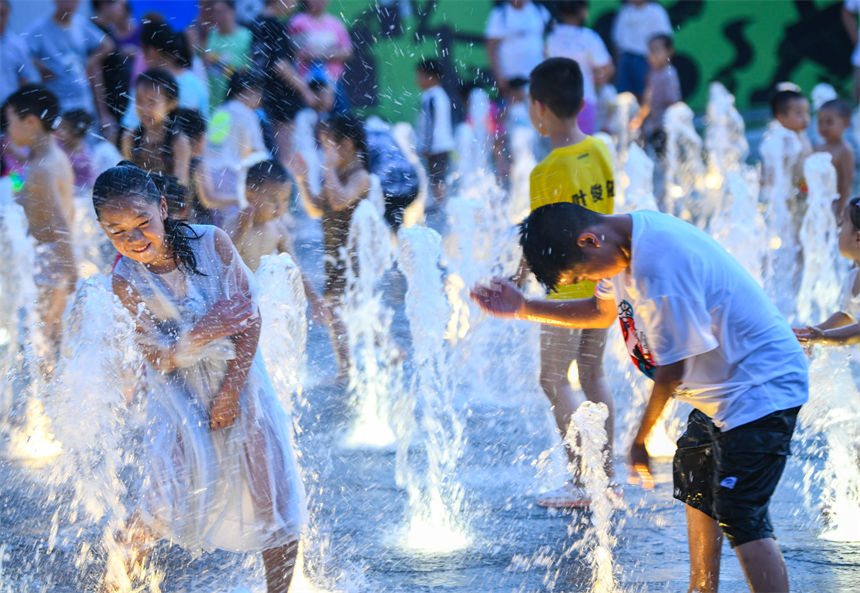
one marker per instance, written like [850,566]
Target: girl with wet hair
[843,327]
[220,471]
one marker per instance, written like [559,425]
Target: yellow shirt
[582,174]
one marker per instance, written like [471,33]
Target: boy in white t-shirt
[435,130]
[570,38]
[699,325]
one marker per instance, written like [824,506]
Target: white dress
[235,488]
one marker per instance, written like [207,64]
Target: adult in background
[636,23]
[228,50]
[285,92]
[850,11]
[515,33]
[68,51]
[126,61]
[323,48]
[16,67]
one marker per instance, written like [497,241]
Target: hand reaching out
[640,463]
[808,334]
[501,298]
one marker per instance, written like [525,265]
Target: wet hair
[841,107]
[78,121]
[157,34]
[187,121]
[269,171]
[854,212]
[346,125]
[549,237]
[782,99]
[160,80]
[557,83]
[36,100]
[127,180]
[666,40]
[430,67]
[243,81]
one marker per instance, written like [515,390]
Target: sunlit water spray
[435,522]
[684,168]
[820,285]
[375,371]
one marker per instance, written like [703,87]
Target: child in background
[228,49]
[346,181]
[834,117]
[47,196]
[578,170]
[791,118]
[843,327]
[260,230]
[72,135]
[209,203]
[570,38]
[221,472]
[435,131]
[235,132]
[397,176]
[636,23]
[662,89]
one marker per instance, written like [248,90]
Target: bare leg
[283,132]
[763,566]
[557,350]
[279,563]
[589,364]
[339,338]
[705,540]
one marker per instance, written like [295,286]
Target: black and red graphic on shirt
[637,344]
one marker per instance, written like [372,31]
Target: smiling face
[135,228]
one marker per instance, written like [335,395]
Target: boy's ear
[588,239]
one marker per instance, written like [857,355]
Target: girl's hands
[225,410]
[226,318]
[808,334]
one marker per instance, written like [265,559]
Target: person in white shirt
[570,38]
[435,134]
[16,66]
[636,23]
[699,325]
[515,32]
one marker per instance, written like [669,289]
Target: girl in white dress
[843,327]
[220,470]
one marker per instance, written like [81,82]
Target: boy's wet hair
[78,121]
[571,6]
[666,40]
[430,67]
[187,121]
[243,81]
[268,171]
[549,237]
[161,80]
[841,107]
[782,99]
[557,83]
[346,125]
[127,180]
[36,100]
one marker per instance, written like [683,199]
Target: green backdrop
[747,45]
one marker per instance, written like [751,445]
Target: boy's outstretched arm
[666,380]
[502,298]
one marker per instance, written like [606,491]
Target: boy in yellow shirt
[578,170]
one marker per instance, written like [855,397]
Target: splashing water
[819,282]
[738,225]
[635,181]
[685,171]
[725,141]
[435,497]
[587,435]
[375,373]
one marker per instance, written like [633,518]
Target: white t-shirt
[583,45]
[634,26]
[521,34]
[234,134]
[853,6]
[683,297]
[435,132]
[850,303]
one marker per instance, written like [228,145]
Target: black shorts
[730,476]
[437,167]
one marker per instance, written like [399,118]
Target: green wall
[747,45]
